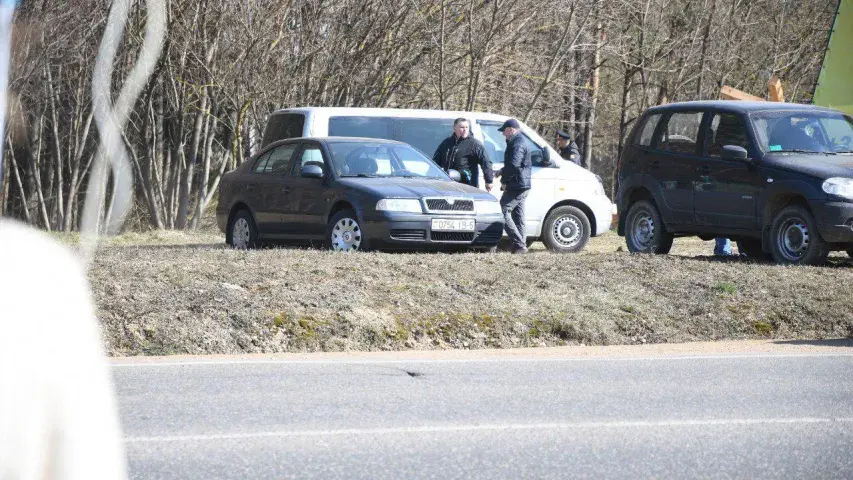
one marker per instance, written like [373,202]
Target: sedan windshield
[369,159]
[806,131]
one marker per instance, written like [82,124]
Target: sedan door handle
[250,187]
[704,169]
[285,189]
[654,163]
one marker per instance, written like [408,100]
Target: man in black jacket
[568,148]
[464,153]
[515,183]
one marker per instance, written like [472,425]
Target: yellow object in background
[835,83]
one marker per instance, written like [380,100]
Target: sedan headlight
[409,205]
[843,187]
[487,207]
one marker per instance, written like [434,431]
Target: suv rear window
[681,133]
[645,137]
[282,126]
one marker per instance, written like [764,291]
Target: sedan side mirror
[455,175]
[312,171]
[734,152]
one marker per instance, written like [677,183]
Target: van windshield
[805,131]
[369,159]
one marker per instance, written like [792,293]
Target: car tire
[752,248]
[242,232]
[794,238]
[645,231]
[566,230]
[345,233]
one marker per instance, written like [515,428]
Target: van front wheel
[566,230]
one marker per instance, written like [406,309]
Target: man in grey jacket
[515,183]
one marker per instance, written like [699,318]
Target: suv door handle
[285,189]
[654,163]
[704,169]
[250,187]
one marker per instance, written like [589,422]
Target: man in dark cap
[515,183]
[568,148]
[464,153]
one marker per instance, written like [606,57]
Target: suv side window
[644,139]
[311,155]
[726,129]
[283,126]
[681,134]
[366,127]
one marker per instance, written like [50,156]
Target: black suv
[777,177]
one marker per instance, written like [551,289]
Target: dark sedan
[353,194]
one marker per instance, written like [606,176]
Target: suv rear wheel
[566,230]
[644,230]
[795,239]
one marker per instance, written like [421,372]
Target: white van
[566,204]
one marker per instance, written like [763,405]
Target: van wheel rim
[240,234]
[567,231]
[346,235]
[643,229]
[793,239]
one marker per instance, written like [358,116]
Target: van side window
[425,134]
[365,127]
[493,141]
[495,144]
[282,126]
[726,129]
[681,134]
[645,137]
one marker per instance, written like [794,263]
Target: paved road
[743,416]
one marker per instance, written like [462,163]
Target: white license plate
[454,225]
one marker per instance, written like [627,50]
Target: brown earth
[167,293]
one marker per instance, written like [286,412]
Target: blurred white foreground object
[58,417]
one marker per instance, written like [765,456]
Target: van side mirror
[454,175]
[734,152]
[546,156]
[312,171]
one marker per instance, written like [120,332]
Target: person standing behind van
[568,148]
[515,183]
[464,153]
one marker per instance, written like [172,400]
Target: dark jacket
[517,164]
[571,149]
[465,156]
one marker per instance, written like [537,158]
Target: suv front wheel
[644,230]
[795,239]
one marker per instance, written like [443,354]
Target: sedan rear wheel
[244,234]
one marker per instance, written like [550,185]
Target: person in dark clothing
[515,183]
[568,148]
[465,154]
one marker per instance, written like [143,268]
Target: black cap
[563,134]
[510,123]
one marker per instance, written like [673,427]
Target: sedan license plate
[453,225]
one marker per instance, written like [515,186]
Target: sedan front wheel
[344,233]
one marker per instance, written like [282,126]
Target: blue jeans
[723,247]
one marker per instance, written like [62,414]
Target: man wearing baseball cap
[515,183]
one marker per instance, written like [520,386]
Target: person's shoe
[519,250]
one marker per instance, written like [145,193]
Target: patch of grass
[726,287]
[762,328]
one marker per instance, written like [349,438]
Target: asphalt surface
[709,416]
